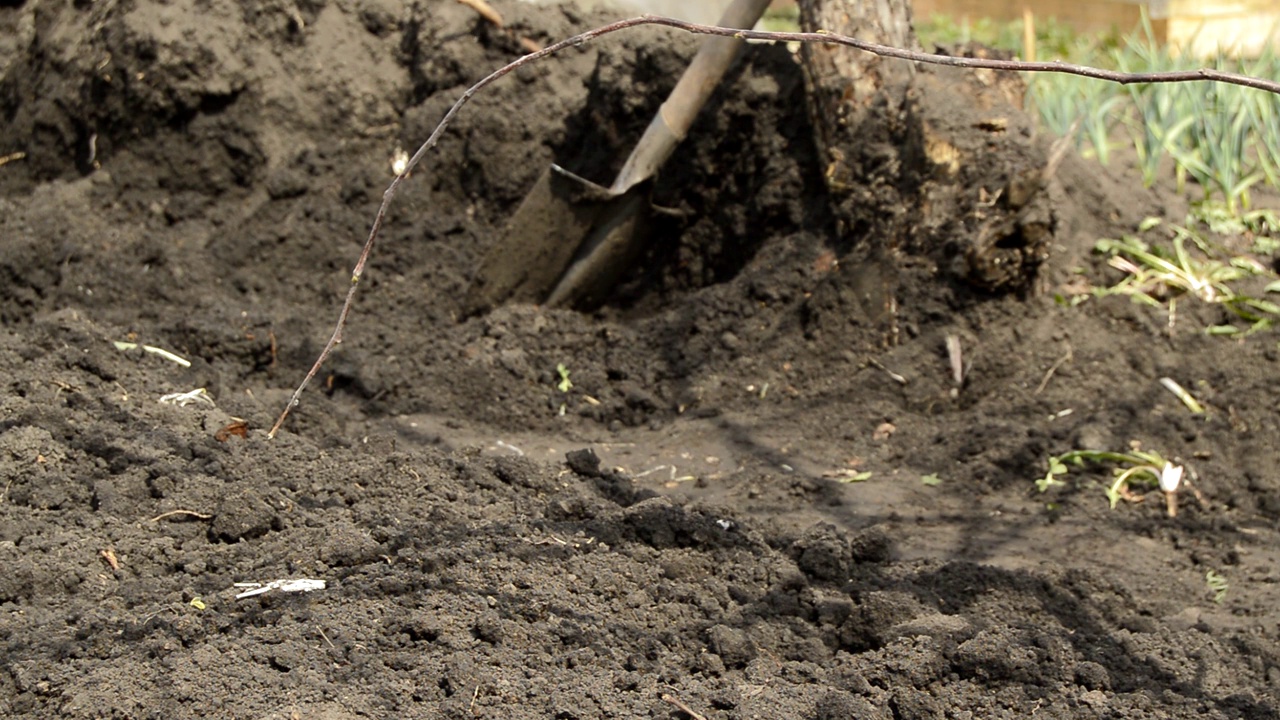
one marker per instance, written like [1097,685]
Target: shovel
[571,240]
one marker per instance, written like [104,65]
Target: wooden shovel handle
[676,115]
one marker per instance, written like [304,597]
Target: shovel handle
[676,115]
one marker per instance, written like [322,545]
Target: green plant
[1155,125]
[1152,115]
[1264,112]
[1261,227]
[1218,585]
[1069,104]
[1225,138]
[1135,466]
[1062,101]
[1156,274]
[565,384]
[1219,143]
[1152,275]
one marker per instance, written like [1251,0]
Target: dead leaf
[109,557]
[825,263]
[239,428]
[884,431]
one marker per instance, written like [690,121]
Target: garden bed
[788,519]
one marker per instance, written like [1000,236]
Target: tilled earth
[671,534]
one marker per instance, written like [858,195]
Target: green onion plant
[1224,138]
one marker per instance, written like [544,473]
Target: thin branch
[1123,78]
[1053,369]
[485,9]
[1115,76]
[682,707]
[189,513]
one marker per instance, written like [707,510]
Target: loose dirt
[674,533]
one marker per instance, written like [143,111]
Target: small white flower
[1170,477]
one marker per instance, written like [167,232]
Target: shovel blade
[541,239]
[607,254]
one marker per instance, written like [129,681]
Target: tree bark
[936,166]
[858,104]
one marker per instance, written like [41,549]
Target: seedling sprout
[1134,466]
[1218,585]
[565,384]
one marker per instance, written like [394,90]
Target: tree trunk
[858,104]
[930,169]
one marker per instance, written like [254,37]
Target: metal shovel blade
[570,238]
[538,242]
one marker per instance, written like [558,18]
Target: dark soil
[199,176]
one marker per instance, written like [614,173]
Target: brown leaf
[239,428]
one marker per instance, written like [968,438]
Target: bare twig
[485,9]
[1123,78]
[1053,369]
[682,707]
[901,380]
[189,513]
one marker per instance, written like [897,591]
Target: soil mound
[640,512]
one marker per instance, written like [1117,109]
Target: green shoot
[1152,274]
[1135,466]
[125,346]
[1182,394]
[565,385]
[1158,274]
[1218,585]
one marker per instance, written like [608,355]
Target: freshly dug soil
[670,532]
